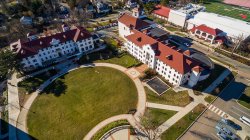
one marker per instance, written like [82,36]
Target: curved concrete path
[22,118]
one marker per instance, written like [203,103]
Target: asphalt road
[227,100]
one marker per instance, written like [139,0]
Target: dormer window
[169,57]
[139,39]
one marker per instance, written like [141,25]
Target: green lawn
[125,60]
[72,105]
[179,127]
[158,116]
[245,98]
[106,56]
[216,6]
[108,127]
[170,97]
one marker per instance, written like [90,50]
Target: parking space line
[215,136]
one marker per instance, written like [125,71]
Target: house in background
[161,12]
[25,20]
[37,52]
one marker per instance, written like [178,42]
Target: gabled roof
[29,48]
[207,29]
[178,61]
[162,11]
[140,39]
[129,21]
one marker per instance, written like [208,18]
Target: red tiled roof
[129,20]
[178,61]
[162,11]
[140,39]
[29,48]
[207,29]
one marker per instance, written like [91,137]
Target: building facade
[39,52]
[168,61]
[211,35]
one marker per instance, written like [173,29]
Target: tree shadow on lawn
[57,87]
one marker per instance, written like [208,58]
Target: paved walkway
[13,106]
[166,107]
[22,124]
[176,117]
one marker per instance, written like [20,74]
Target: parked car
[231,124]
[245,120]
[222,136]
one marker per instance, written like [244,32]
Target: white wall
[123,30]
[64,49]
[177,18]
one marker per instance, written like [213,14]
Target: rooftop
[129,21]
[32,47]
[162,11]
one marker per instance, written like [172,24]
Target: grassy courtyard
[72,105]
[170,97]
[218,7]
[158,116]
[180,126]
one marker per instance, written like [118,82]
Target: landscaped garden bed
[71,107]
[170,97]
[108,127]
[180,126]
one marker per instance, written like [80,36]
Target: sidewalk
[13,106]
[166,107]
[177,117]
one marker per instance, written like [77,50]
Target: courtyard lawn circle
[76,102]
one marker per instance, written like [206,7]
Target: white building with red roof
[211,35]
[172,63]
[39,52]
[161,12]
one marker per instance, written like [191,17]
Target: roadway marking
[210,107]
[235,113]
[241,111]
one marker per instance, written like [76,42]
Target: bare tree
[237,43]
[148,128]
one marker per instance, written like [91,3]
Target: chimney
[169,57]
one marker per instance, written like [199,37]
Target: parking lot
[158,85]
[203,128]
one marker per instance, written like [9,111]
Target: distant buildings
[150,45]
[42,51]
[232,28]
[177,16]
[26,20]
